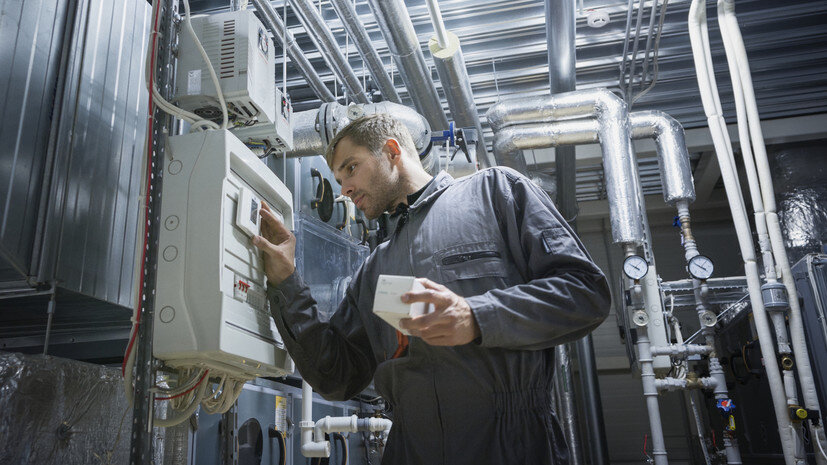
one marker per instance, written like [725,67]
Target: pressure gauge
[700,267]
[635,267]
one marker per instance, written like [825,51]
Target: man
[508,280]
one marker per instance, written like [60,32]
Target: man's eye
[351,168]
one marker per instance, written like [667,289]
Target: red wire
[148,181]
[645,437]
[713,440]
[188,390]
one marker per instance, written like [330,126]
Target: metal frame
[141,450]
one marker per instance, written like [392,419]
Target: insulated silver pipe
[450,66]
[609,112]
[568,411]
[329,47]
[314,129]
[673,157]
[398,31]
[361,39]
[273,22]
[510,142]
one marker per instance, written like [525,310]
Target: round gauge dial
[635,267]
[700,267]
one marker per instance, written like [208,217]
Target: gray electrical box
[243,57]
[810,275]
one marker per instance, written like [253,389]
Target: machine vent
[227,64]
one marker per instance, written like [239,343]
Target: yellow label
[281,413]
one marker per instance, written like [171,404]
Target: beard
[385,190]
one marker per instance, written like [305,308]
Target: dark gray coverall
[497,240]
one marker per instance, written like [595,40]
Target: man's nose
[347,189]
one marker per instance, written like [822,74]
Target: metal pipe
[436,20]
[593,405]
[314,129]
[568,411]
[673,157]
[50,310]
[361,40]
[613,132]
[398,31]
[450,66]
[650,392]
[560,40]
[275,24]
[321,36]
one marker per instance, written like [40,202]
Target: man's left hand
[450,324]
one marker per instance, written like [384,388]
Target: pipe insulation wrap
[398,31]
[450,66]
[673,157]
[323,39]
[510,142]
[314,129]
[361,39]
[610,112]
[280,34]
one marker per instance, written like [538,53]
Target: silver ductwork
[361,39]
[673,157]
[450,66]
[280,34]
[613,133]
[329,48]
[510,142]
[398,31]
[314,129]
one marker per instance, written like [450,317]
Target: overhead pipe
[323,39]
[398,31]
[751,123]
[314,129]
[702,55]
[280,34]
[609,111]
[450,66]
[361,39]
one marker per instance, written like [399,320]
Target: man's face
[367,179]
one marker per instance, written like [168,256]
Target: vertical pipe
[592,405]
[568,411]
[436,20]
[650,392]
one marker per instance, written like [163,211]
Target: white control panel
[211,303]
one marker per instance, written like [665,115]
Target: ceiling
[504,44]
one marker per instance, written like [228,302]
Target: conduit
[328,46]
[699,38]
[398,31]
[450,66]
[280,33]
[751,123]
[361,39]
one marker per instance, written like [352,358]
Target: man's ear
[393,150]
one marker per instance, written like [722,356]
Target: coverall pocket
[469,261]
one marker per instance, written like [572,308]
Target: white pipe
[732,33]
[436,20]
[699,39]
[650,392]
[310,448]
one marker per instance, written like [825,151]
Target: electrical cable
[206,58]
[201,380]
[654,54]
[184,414]
[195,378]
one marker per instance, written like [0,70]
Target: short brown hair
[372,131]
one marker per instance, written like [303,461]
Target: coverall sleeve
[565,295]
[333,355]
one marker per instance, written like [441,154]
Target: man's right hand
[278,247]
